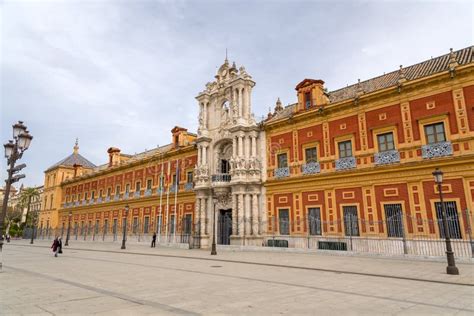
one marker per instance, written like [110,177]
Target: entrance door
[224,227]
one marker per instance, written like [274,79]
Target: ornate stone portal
[228,173]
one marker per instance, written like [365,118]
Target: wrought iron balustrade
[136,194]
[387,157]
[281,172]
[84,202]
[435,150]
[126,195]
[107,199]
[99,200]
[173,188]
[221,177]
[148,192]
[188,186]
[159,190]
[346,163]
[76,203]
[91,201]
[311,168]
[116,197]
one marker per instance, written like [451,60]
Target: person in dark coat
[153,240]
[60,245]
[55,246]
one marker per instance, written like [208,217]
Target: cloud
[123,73]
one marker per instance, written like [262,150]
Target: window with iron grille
[386,142]
[135,225]
[188,220]
[96,228]
[190,177]
[394,220]
[117,189]
[345,149]
[284,221]
[127,188]
[311,155]
[307,100]
[148,184]
[106,226]
[145,224]
[435,133]
[454,229]
[114,228]
[171,229]
[314,221]
[138,186]
[351,220]
[282,160]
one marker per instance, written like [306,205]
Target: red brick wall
[342,198]
[443,104]
[402,195]
[469,99]
[352,127]
[277,142]
[303,138]
[393,118]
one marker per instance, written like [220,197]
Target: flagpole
[161,185]
[167,199]
[175,201]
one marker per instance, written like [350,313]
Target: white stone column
[241,146]
[247,215]
[254,146]
[255,214]
[240,102]
[206,105]
[234,214]
[249,94]
[240,214]
[247,146]
[204,155]
[202,206]
[234,146]
[199,155]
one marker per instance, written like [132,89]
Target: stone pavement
[100,278]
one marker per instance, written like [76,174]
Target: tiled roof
[71,160]
[417,71]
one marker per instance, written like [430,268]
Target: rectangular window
[82,227]
[282,160]
[284,221]
[114,228]
[188,221]
[100,193]
[435,133]
[117,189]
[385,142]
[86,195]
[109,192]
[345,149]
[311,155]
[106,226]
[148,184]
[394,220]
[314,221]
[162,181]
[307,100]
[351,221]
[454,229]
[189,177]
[124,222]
[97,223]
[146,223]
[93,194]
[137,186]
[127,188]
[135,225]
[171,229]
[89,227]
[174,179]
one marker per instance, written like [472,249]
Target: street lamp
[124,239]
[68,228]
[451,269]
[214,250]
[14,150]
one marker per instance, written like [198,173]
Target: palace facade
[355,162]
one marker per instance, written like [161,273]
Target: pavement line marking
[277,283]
[269,265]
[124,297]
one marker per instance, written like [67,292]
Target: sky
[124,73]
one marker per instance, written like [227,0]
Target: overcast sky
[124,73]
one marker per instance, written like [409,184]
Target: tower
[231,152]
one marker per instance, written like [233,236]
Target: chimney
[311,94]
[114,156]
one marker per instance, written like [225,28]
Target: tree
[26,197]
[13,216]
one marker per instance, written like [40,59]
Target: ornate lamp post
[14,150]
[68,228]
[214,248]
[451,269]
[124,239]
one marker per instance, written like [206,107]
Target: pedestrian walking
[60,245]
[153,240]
[55,246]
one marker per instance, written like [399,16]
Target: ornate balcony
[173,188]
[188,186]
[148,192]
[107,199]
[435,150]
[281,172]
[136,194]
[76,203]
[116,197]
[387,157]
[99,200]
[91,201]
[84,202]
[221,177]
[311,168]
[346,163]
[126,195]
[160,190]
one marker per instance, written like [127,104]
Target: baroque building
[355,162]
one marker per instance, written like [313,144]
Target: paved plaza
[99,278]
